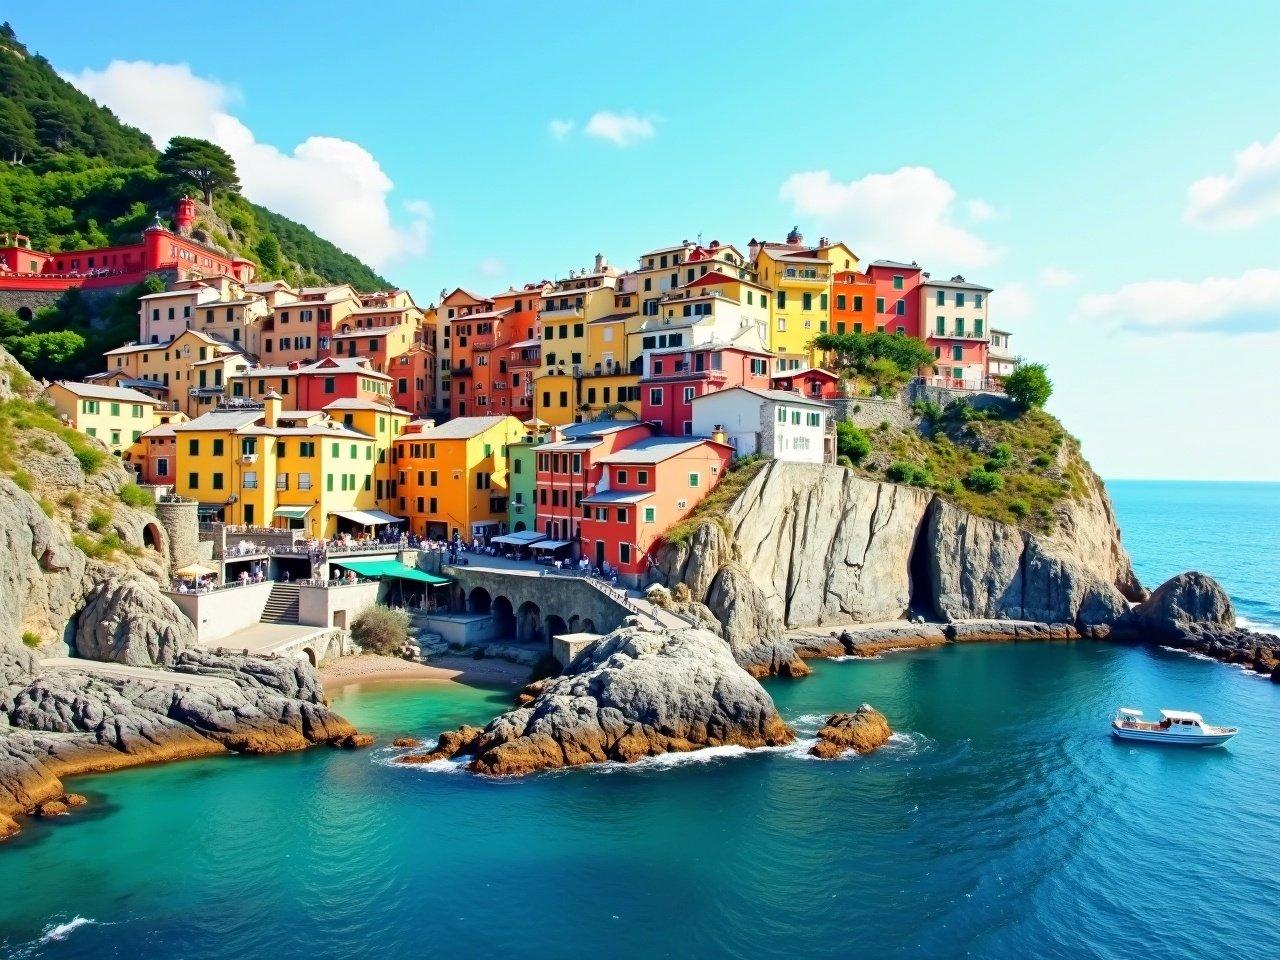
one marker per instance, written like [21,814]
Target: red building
[22,268]
[516,334]
[567,469]
[413,377]
[812,382]
[897,297]
[674,376]
[643,490]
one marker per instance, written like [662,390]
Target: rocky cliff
[812,545]
[83,563]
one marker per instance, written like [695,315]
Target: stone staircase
[667,619]
[282,605]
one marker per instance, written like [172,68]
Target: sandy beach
[488,672]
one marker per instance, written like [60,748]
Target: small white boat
[1175,726]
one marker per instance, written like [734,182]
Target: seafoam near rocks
[637,693]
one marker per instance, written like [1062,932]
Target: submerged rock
[862,731]
[636,693]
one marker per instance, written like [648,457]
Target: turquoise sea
[1001,822]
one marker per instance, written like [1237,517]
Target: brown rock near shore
[637,693]
[862,731]
[406,742]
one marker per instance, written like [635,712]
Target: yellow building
[799,278]
[452,478]
[569,308]
[115,415]
[256,464]
[194,367]
[384,422]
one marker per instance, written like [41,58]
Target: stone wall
[336,606]
[33,300]
[180,519]
[581,605]
[870,412]
[220,613]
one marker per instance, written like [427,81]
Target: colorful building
[674,376]
[115,415]
[568,469]
[452,477]
[897,298]
[957,331]
[310,386]
[521,475]
[194,367]
[643,490]
[1000,358]
[258,464]
[800,278]
[853,303]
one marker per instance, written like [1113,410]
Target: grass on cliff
[19,417]
[713,508]
[1013,468]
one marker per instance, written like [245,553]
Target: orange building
[853,308]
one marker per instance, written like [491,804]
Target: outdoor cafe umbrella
[194,570]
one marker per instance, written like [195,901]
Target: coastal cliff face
[812,545]
[81,575]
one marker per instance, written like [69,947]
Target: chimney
[718,435]
[270,409]
[753,248]
[600,263]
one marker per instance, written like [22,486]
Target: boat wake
[1197,655]
[54,933]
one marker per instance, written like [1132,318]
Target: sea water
[1000,822]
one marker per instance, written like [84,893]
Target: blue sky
[1050,153]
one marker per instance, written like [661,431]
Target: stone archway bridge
[536,603]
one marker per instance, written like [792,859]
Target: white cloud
[903,215]
[1249,303]
[980,211]
[334,186]
[620,129]
[1058,277]
[559,129]
[1011,301]
[1248,196]
[493,267]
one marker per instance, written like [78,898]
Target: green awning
[292,513]
[391,568]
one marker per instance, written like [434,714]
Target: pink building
[678,374]
[897,297]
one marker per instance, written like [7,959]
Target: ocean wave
[1257,626]
[446,765]
[63,930]
[1197,655]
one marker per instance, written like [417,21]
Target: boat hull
[1172,739]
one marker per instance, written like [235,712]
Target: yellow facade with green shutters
[118,416]
[799,279]
[260,466]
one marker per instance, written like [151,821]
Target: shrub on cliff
[914,474]
[852,442]
[983,481]
[381,630]
[1029,386]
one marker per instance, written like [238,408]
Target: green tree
[268,251]
[44,353]
[1029,386]
[884,359]
[207,165]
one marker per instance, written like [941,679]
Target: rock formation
[809,545]
[636,693]
[862,731]
[79,720]
[1192,612]
[106,604]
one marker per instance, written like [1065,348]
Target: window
[897,283]
[940,325]
[655,396]
[193,448]
[621,476]
[879,304]
[624,553]
[941,299]
[193,481]
[217,447]
[694,479]
[650,514]
[217,481]
[782,414]
[901,308]
[957,352]
[688,394]
[807,301]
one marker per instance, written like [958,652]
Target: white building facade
[777,424]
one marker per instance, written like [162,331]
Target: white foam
[1193,654]
[63,930]
[1256,626]
[446,765]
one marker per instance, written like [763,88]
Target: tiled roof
[93,391]
[652,450]
[774,396]
[459,428]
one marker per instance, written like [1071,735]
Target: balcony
[462,370]
[561,313]
[482,343]
[959,335]
[521,363]
[804,276]
[609,369]
[716,378]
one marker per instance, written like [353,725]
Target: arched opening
[152,538]
[309,655]
[25,314]
[529,624]
[589,626]
[504,618]
[478,601]
[574,623]
[520,527]
[555,626]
